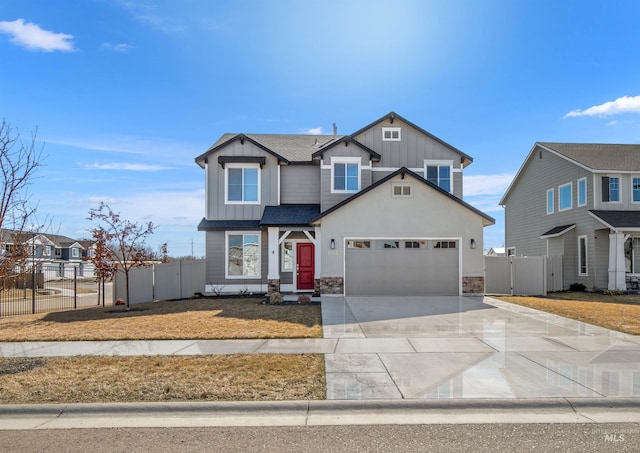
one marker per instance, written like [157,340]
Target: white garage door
[402,267]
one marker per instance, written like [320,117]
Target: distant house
[496,251]
[581,201]
[379,211]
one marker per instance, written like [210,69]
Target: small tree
[122,242]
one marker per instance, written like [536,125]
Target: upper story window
[391,134]
[345,174]
[75,252]
[610,188]
[550,207]
[635,189]
[582,191]
[565,195]
[242,184]
[439,173]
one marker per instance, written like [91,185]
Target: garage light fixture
[332,244]
[473,243]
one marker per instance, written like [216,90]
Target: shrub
[579,287]
[613,292]
[303,299]
[275,298]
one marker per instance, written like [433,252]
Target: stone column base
[273,286]
[473,285]
[330,285]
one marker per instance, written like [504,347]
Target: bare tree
[18,163]
[121,242]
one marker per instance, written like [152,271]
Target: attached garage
[411,267]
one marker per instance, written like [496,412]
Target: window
[391,134]
[582,256]
[243,255]
[287,256]
[582,191]
[346,175]
[381,245]
[243,184]
[632,255]
[401,190]
[511,251]
[415,244]
[550,207]
[610,189]
[358,244]
[75,252]
[565,196]
[635,189]
[47,250]
[445,245]
[439,174]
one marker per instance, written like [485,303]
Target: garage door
[401,267]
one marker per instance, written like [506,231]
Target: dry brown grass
[616,312]
[169,320]
[129,379]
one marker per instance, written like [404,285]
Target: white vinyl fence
[167,281]
[523,275]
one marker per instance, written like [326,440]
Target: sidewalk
[318,413]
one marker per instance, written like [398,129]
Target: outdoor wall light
[473,243]
[332,244]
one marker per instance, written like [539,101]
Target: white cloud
[612,123]
[487,184]
[31,36]
[312,131]
[625,104]
[122,48]
[125,166]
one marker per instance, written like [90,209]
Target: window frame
[560,191]
[242,166]
[75,252]
[345,161]
[402,187]
[283,268]
[226,255]
[440,163]
[608,192]
[582,191]
[583,258]
[551,201]
[392,130]
[633,190]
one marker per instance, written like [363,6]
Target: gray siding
[626,195]
[216,208]
[215,271]
[601,259]
[300,184]
[329,199]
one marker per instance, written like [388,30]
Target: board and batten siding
[328,199]
[216,254]
[216,207]
[300,184]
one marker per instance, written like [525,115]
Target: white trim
[294,256]
[278,183]
[439,163]
[631,192]
[619,178]
[226,182]
[236,288]
[402,185]
[560,208]
[584,179]
[553,201]
[586,258]
[392,129]
[284,236]
[392,169]
[226,254]
[346,161]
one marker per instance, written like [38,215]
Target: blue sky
[125,94]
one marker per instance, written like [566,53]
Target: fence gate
[523,275]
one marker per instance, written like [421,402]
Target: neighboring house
[496,251]
[379,211]
[581,201]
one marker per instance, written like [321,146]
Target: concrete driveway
[470,347]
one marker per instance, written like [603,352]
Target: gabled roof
[289,214]
[346,140]
[393,116]
[618,220]
[405,171]
[557,231]
[222,225]
[284,147]
[595,157]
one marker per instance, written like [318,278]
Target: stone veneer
[472,285]
[330,285]
[273,286]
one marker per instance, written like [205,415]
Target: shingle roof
[600,156]
[292,214]
[618,219]
[213,225]
[557,231]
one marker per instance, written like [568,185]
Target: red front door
[305,262]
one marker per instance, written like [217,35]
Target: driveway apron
[470,347]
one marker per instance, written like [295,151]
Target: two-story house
[376,212]
[581,201]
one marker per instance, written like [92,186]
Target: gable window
[582,191]
[401,190]
[550,207]
[47,250]
[346,175]
[635,189]
[439,174]
[391,134]
[610,189]
[242,183]
[565,197]
[243,255]
[582,256]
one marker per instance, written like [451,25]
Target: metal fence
[523,275]
[40,288]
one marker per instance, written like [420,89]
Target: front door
[304,267]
